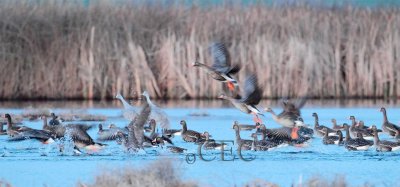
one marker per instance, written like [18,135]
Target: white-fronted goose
[157,113]
[210,144]
[287,119]
[388,127]
[263,144]
[356,129]
[241,143]
[41,135]
[11,130]
[221,70]
[129,111]
[357,144]
[189,135]
[252,95]
[319,129]
[335,126]
[330,139]
[384,145]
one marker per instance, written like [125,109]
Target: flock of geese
[140,133]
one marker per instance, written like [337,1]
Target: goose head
[339,133]
[8,117]
[373,127]
[183,122]
[345,126]
[100,127]
[383,109]
[314,114]
[236,127]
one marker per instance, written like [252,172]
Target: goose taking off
[388,127]
[221,69]
[251,97]
[135,138]
[287,119]
[129,111]
[157,113]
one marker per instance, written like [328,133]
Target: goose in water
[173,149]
[335,126]
[153,135]
[11,129]
[210,144]
[110,133]
[129,111]
[251,97]
[355,129]
[241,143]
[41,135]
[388,127]
[384,145]
[221,70]
[357,144]
[190,135]
[134,140]
[263,144]
[287,119]
[170,133]
[157,113]
[332,139]
[319,129]
[283,135]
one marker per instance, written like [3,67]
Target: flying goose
[357,144]
[287,119]
[252,95]
[221,70]
[129,111]
[384,145]
[319,129]
[388,127]
[157,113]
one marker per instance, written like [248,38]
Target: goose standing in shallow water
[384,145]
[189,135]
[251,97]
[319,129]
[129,111]
[156,113]
[241,143]
[357,144]
[221,70]
[388,127]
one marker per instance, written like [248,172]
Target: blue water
[23,165]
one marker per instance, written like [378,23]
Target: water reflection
[368,103]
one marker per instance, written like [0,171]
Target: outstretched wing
[252,93]
[221,57]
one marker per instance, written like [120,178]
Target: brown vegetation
[65,50]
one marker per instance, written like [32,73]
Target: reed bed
[64,50]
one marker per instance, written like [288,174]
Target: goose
[129,111]
[54,120]
[357,144]
[388,127]
[221,70]
[294,108]
[361,125]
[330,139]
[153,135]
[41,135]
[335,126]
[210,144]
[319,129]
[251,97]
[355,129]
[82,140]
[170,133]
[242,144]
[11,129]
[245,127]
[287,119]
[189,135]
[281,135]
[263,144]
[135,138]
[384,145]
[110,133]
[156,113]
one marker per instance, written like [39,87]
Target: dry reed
[58,50]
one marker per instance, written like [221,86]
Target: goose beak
[231,86]
[294,134]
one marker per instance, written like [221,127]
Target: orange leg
[294,134]
[231,86]
[257,119]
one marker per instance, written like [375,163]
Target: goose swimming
[319,129]
[384,145]
[388,127]
[357,144]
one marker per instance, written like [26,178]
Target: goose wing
[32,134]
[138,125]
[221,57]
[79,135]
[252,93]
